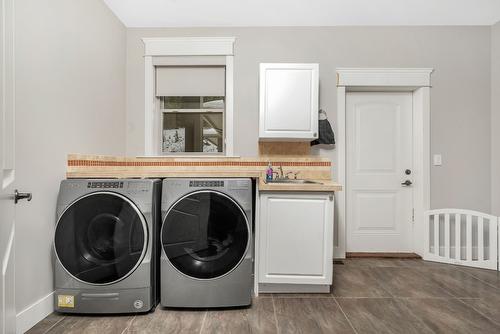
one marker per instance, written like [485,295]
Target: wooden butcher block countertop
[310,168]
[322,185]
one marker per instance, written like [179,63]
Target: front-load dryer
[105,244]
[206,238]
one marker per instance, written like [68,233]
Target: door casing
[7,169]
[414,80]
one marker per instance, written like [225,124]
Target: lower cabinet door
[296,238]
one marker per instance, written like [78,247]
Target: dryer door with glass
[205,234]
[101,238]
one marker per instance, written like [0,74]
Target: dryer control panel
[105,184]
[206,184]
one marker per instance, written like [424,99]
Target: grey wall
[495,119]
[460,99]
[70,64]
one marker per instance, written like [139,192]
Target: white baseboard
[293,288]
[34,313]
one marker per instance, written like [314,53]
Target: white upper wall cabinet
[289,101]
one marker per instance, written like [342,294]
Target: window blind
[190,81]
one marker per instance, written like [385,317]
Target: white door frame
[417,81]
[7,168]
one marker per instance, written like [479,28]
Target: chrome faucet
[279,174]
[282,175]
[292,173]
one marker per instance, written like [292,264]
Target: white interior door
[379,160]
[7,173]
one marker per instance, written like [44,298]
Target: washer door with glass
[205,234]
[101,238]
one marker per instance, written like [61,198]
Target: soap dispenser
[269,172]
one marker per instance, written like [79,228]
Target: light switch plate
[437,159]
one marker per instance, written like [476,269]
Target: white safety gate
[462,237]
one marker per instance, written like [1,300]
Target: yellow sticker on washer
[66,301]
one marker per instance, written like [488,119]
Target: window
[191,106]
[192,124]
[167,60]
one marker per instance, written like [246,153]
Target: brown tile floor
[369,296]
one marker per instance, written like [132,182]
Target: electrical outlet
[437,159]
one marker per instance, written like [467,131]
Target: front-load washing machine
[206,239]
[105,243]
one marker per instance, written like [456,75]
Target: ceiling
[231,13]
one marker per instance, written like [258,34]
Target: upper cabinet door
[289,101]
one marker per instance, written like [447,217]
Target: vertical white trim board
[417,81]
[422,164]
[339,248]
[150,145]
[229,118]
[34,313]
[256,241]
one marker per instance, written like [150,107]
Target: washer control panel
[105,184]
[206,184]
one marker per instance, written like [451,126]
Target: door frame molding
[418,82]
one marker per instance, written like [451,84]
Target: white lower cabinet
[296,238]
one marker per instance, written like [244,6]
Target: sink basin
[295,181]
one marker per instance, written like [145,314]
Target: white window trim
[185,46]
[417,81]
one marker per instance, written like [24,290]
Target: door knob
[19,196]
[407,183]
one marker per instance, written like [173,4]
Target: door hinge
[413,215]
